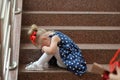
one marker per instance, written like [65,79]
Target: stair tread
[69,12]
[76,27]
[54,73]
[82,46]
[55,69]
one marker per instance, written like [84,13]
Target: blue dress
[70,54]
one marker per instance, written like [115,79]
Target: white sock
[44,59]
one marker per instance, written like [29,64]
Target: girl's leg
[59,60]
[39,64]
[44,59]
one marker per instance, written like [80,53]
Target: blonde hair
[36,29]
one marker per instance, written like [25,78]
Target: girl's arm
[53,46]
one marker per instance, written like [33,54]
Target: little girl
[59,45]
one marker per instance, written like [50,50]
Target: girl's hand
[42,51]
[53,46]
[44,48]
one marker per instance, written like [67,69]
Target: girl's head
[38,37]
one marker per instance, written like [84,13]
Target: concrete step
[101,53]
[71,19]
[82,34]
[71,5]
[56,73]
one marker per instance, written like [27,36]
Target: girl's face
[44,41]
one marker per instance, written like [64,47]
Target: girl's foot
[46,66]
[34,66]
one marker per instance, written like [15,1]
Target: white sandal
[34,66]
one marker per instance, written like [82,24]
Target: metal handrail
[7,66]
[7,48]
[3,8]
[7,7]
[6,20]
[6,38]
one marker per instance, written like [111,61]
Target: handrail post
[13,64]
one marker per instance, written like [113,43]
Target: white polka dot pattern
[71,54]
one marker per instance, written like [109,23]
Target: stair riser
[57,76]
[71,19]
[91,56]
[87,36]
[71,5]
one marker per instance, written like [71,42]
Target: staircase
[93,25]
